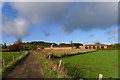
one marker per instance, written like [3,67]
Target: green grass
[94,63]
[4,50]
[48,73]
[29,46]
[50,67]
[8,56]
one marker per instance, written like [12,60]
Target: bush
[114,47]
[74,72]
[15,47]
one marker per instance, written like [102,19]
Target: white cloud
[112,39]
[96,41]
[112,31]
[17,27]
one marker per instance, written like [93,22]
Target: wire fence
[9,60]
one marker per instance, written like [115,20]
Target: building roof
[95,45]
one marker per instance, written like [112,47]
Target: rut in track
[28,68]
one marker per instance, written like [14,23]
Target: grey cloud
[92,35]
[82,15]
[46,33]
[112,31]
[39,12]
[88,16]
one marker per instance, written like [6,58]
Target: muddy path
[28,68]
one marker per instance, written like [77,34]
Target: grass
[88,65]
[48,73]
[50,67]
[8,56]
[63,53]
[30,46]
[94,63]
[4,50]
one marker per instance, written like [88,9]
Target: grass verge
[50,67]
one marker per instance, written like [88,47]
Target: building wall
[105,47]
[80,47]
[60,48]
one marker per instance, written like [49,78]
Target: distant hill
[48,44]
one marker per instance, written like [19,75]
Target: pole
[100,77]
[59,65]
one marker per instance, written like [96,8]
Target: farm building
[98,46]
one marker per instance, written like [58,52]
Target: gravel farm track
[28,68]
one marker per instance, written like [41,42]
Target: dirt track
[29,68]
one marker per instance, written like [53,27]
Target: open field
[8,56]
[63,53]
[94,63]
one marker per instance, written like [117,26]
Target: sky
[60,22]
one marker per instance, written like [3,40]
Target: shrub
[74,72]
[15,47]
[4,46]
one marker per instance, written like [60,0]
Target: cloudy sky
[84,22]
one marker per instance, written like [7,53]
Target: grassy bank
[50,67]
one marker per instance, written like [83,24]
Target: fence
[7,61]
[63,53]
[88,74]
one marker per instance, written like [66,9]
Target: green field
[94,63]
[8,56]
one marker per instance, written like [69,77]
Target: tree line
[17,46]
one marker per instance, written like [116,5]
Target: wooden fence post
[44,55]
[100,77]
[3,62]
[59,65]
[18,55]
[49,56]
[13,58]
